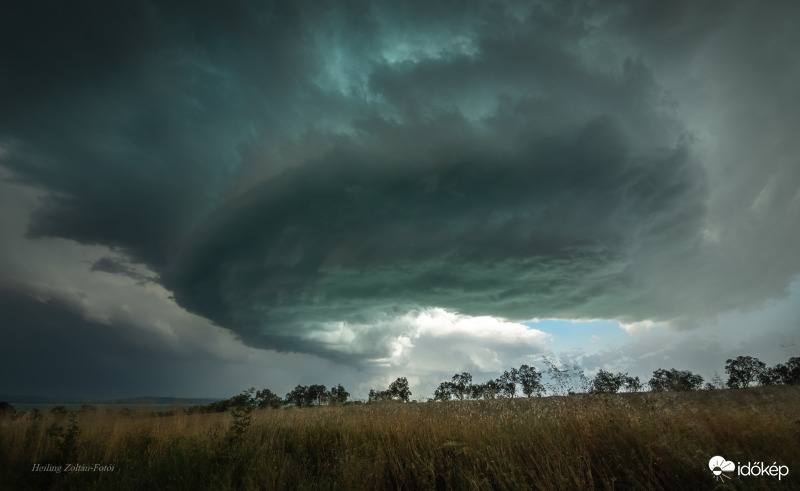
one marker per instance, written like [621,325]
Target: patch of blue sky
[589,336]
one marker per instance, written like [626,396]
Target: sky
[200,197]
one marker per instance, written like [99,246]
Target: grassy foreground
[625,441]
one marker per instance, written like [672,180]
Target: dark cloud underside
[284,167]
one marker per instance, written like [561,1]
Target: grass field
[624,441]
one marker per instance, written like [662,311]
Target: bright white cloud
[431,344]
[636,328]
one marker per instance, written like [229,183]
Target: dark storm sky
[184,182]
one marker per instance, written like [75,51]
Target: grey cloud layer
[284,167]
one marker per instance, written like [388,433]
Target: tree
[782,374]
[399,389]
[486,390]
[559,378]
[508,383]
[716,383]
[245,400]
[266,398]
[490,389]
[565,380]
[531,380]
[460,384]
[582,381]
[743,371]
[317,394]
[299,396]
[379,395]
[444,392]
[608,383]
[674,380]
[789,373]
[769,376]
[476,391]
[632,384]
[338,395]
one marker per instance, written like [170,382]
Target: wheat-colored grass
[627,441]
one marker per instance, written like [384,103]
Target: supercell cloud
[326,178]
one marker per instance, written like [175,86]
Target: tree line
[562,379]
[300,396]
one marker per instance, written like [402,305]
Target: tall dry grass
[627,441]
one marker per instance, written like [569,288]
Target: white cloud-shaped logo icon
[718,465]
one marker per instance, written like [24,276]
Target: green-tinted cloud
[284,167]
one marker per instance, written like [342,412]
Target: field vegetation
[637,440]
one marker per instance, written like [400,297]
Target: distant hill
[28,399]
[188,401]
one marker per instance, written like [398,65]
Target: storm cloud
[319,177]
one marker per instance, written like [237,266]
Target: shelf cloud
[318,177]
